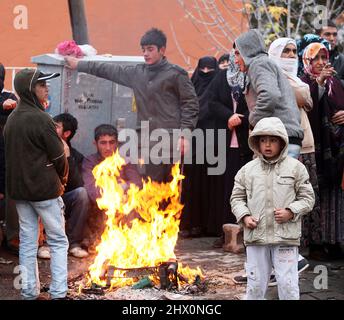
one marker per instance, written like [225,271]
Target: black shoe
[302,265]
[243,280]
[240,279]
[273,281]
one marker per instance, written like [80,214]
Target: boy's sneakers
[273,281]
[302,265]
[43,252]
[243,280]
[240,279]
[78,252]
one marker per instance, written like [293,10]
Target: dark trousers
[76,210]
[11,220]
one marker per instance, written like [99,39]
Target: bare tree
[218,21]
[221,21]
[290,18]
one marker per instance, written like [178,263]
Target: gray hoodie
[269,93]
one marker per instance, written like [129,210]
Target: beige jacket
[305,104]
[261,186]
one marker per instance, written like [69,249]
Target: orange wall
[115,26]
[46,28]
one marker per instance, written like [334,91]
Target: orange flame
[142,224]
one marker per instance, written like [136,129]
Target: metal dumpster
[91,100]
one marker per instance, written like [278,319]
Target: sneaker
[78,252]
[302,265]
[43,252]
[243,280]
[273,281]
[240,279]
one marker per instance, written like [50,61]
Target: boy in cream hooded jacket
[269,198]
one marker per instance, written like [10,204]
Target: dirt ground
[218,266]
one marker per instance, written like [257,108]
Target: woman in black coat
[196,194]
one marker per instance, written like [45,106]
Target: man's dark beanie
[154,36]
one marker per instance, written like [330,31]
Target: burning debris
[137,246]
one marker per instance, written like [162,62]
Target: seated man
[75,196]
[106,142]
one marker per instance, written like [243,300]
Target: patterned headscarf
[303,43]
[236,79]
[309,54]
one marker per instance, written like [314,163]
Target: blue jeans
[52,215]
[77,203]
[294,150]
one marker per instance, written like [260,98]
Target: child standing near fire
[270,195]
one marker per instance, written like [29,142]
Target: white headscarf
[288,65]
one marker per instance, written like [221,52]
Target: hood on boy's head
[250,44]
[268,127]
[25,81]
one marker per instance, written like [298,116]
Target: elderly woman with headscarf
[328,99]
[284,52]
[228,105]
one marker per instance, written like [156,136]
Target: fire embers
[165,276]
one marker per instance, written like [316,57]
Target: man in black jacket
[75,196]
[36,173]
[330,33]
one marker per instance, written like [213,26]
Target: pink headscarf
[309,54]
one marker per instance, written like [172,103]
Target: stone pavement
[218,266]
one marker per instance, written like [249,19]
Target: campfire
[141,232]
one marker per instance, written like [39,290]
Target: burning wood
[145,246]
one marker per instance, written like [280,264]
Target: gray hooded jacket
[269,93]
[262,186]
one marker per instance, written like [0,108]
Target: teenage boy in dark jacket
[165,96]
[36,172]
